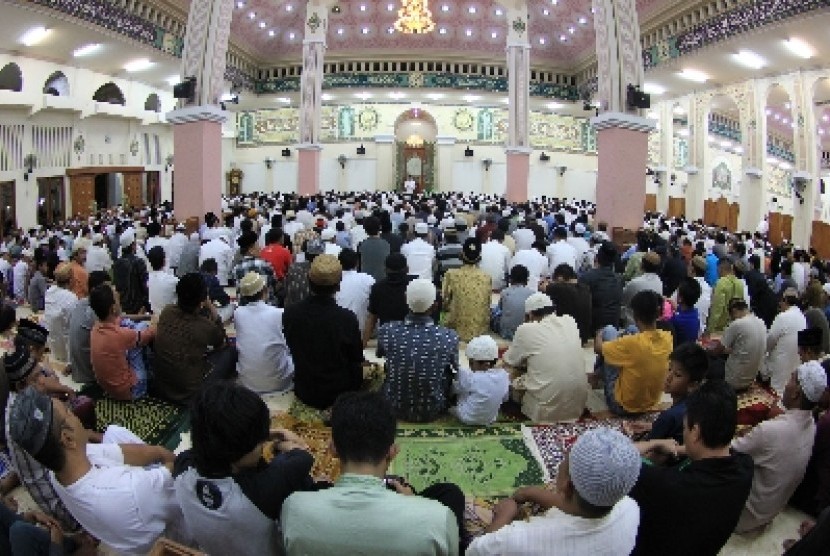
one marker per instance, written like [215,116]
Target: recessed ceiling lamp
[291,36]
[284,100]
[340,31]
[34,35]
[435,96]
[583,20]
[251,15]
[563,38]
[799,48]
[363,96]
[262,25]
[445,8]
[472,98]
[542,40]
[365,30]
[240,4]
[469,32]
[494,34]
[271,32]
[415,18]
[693,75]
[653,89]
[289,8]
[138,65]
[173,80]
[554,105]
[749,59]
[679,110]
[87,50]
[363,7]
[390,30]
[442,31]
[326,97]
[472,9]
[396,95]
[499,12]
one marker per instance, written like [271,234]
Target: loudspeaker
[468,152]
[637,98]
[286,152]
[185,90]
[361,149]
[544,157]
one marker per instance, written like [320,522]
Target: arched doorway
[721,207]
[109,93]
[415,133]
[57,85]
[779,164]
[820,236]
[11,78]
[153,103]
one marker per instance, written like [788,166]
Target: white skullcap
[327,234]
[482,348]
[422,228]
[579,229]
[812,379]
[537,301]
[603,465]
[420,295]
[127,238]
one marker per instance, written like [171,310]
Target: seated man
[115,350]
[634,368]
[781,448]
[81,321]
[161,284]
[362,513]
[744,342]
[708,491]
[264,364]
[231,499]
[588,513]
[110,492]
[216,293]
[420,356]
[548,363]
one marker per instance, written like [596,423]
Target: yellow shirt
[643,360]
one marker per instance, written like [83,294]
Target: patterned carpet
[755,404]
[154,421]
[318,438]
[483,462]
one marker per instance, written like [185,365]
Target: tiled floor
[768,543]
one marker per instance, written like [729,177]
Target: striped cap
[604,465]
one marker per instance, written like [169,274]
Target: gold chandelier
[414,17]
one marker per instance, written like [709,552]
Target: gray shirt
[37,291]
[512,309]
[81,320]
[647,281]
[746,338]
[373,252]
[189,260]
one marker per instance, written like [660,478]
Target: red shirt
[279,257]
[108,352]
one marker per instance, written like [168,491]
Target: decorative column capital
[190,114]
[621,120]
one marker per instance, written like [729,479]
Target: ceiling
[561,31]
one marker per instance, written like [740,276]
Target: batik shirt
[467,295]
[419,361]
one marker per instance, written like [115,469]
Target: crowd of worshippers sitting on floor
[696,313]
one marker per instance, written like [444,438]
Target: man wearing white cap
[98,257]
[420,255]
[175,246]
[552,385]
[781,447]
[578,242]
[218,249]
[588,513]
[481,389]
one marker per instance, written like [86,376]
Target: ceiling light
[251,15]
[821,132]
[173,80]
[86,50]
[240,4]
[396,95]
[542,40]
[435,96]
[583,20]
[785,121]
[390,7]
[571,30]
[291,36]
[787,105]
[442,31]
[499,12]
[546,12]
[286,100]
[825,118]
[363,96]
[445,8]
[494,34]
[694,75]
[469,32]
[472,9]
[271,32]
[34,36]
[799,48]
[262,25]
[326,96]
[363,7]
[289,7]
[563,38]
[777,116]
[554,105]
[390,30]
[365,30]
[749,59]
[653,89]
[472,98]
[138,65]
[769,111]
[340,31]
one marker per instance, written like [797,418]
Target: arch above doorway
[415,133]
[109,93]
[11,78]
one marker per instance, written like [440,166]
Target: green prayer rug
[482,461]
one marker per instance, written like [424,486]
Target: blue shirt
[419,356]
[711,269]
[686,325]
[669,424]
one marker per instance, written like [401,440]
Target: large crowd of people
[284,293]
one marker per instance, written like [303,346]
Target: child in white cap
[481,389]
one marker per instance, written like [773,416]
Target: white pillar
[385,154]
[444,148]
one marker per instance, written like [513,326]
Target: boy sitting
[686,320]
[688,365]
[481,389]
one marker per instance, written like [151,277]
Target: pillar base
[622,144]
[308,169]
[197,147]
[518,174]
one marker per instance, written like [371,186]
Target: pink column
[308,169]
[622,144]
[197,151]
[518,173]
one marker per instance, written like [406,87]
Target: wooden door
[8,208]
[153,195]
[820,239]
[775,232]
[787,227]
[82,193]
[677,206]
[734,212]
[51,205]
[414,161]
[709,212]
[132,189]
[651,202]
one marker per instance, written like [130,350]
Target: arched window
[153,103]
[11,78]
[109,93]
[57,85]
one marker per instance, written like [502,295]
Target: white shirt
[292,228]
[98,258]
[782,347]
[126,507]
[264,364]
[20,271]
[535,263]
[358,234]
[162,289]
[495,260]
[332,249]
[581,246]
[480,394]
[354,294]
[419,257]
[222,253]
[561,252]
[524,238]
[158,241]
[611,535]
[175,246]
[58,303]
